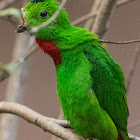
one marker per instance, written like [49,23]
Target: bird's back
[109,86]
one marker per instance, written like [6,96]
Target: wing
[108,84]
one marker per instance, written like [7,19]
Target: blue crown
[36,1]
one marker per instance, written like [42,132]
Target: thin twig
[34,30]
[92,15]
[39,120]
[119,42]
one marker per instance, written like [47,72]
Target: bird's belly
[88,120]
[77,114]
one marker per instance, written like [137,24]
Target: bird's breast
[50,48]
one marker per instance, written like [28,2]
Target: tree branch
[94,9]
[92,15]
[47,124]
[102,18]
[53,126]
[10,69]
[60,117]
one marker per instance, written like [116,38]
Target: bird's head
[37,12]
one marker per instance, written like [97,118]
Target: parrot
[90,83]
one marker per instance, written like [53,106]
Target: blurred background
[40,94]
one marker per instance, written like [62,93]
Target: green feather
[90,84]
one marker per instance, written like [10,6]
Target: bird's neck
[69,38]
[64,40]
[51,49]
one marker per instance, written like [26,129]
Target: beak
[18,13]
[23,27]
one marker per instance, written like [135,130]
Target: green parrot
[90,84]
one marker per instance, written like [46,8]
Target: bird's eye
[43,14]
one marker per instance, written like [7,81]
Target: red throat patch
[50,48]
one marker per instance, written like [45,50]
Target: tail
[123,135]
